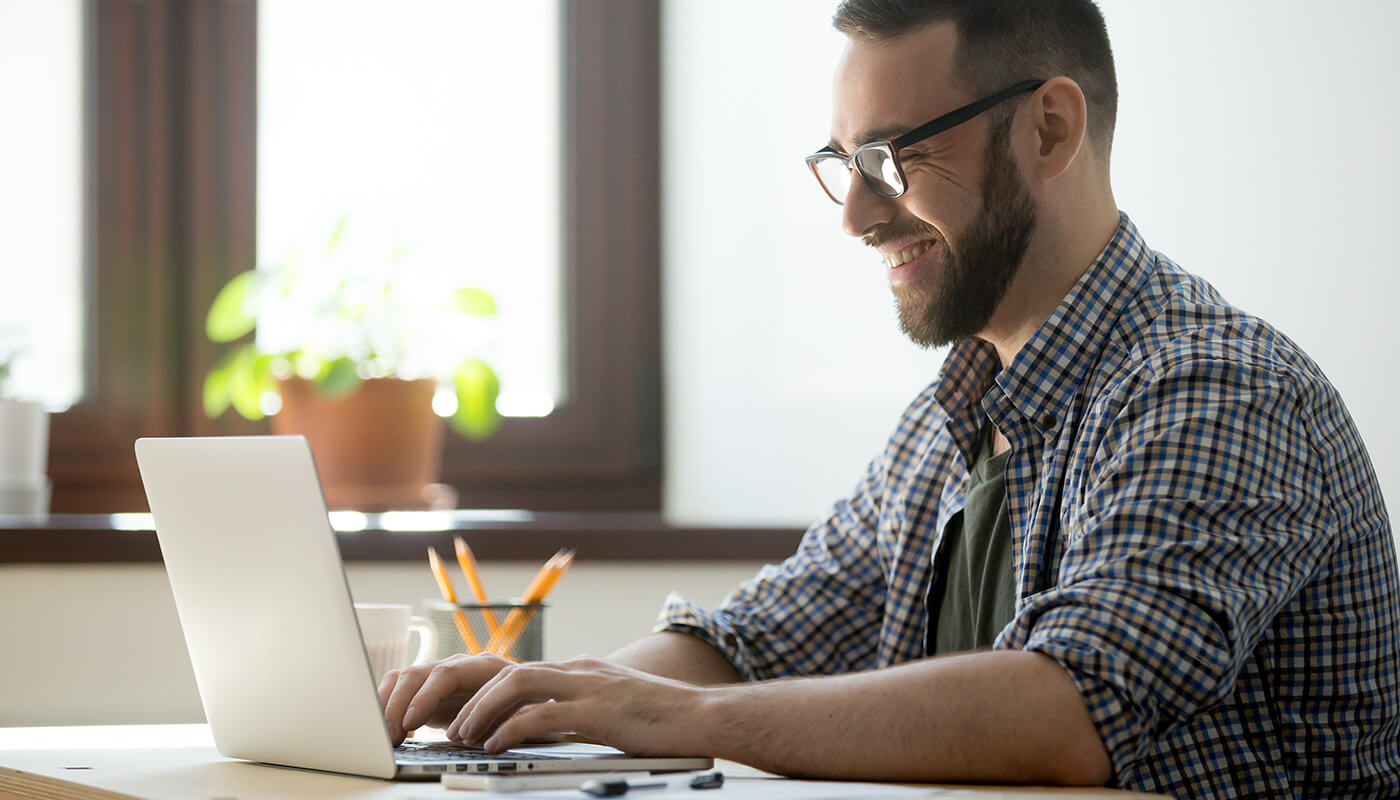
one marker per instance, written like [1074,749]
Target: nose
[864,209]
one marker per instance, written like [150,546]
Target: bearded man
[1129,536]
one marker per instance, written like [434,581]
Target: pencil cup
[513,630]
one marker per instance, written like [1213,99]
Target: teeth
[893,260]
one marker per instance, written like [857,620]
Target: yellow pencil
[445,586]
[558,572]
[467,562]
[537,591]
[501,642]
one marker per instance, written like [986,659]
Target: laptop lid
[270,626]
[262,598]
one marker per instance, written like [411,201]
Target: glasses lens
[834,176]
[877,166]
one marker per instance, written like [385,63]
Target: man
[1130,535]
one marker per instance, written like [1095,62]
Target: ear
[1058,119]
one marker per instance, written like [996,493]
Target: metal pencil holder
[524,620]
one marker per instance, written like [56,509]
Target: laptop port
[483,767]
[507,766]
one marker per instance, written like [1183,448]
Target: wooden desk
[179,762]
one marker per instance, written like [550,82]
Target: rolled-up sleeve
[817,612]
[1203,513]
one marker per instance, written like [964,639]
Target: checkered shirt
[1200,541]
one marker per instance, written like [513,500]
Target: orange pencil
[467,562]
[563,564]
[537,591]
[445,586]
[500,643]
[536,583]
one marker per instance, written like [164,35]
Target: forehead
[891,86]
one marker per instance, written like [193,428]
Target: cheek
[948,202]
[946,214]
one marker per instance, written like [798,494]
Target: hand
[432,694]
[634,711]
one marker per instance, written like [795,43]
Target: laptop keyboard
[438,752]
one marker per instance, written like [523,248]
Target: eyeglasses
[878,161]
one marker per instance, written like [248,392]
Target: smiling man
[1129,535]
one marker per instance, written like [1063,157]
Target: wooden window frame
[171,131]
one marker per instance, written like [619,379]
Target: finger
[400,695]
[447,685]
[508,692]
[386,686]
[440,683]
[454,729]
[531,723]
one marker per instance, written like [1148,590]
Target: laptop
[270,626]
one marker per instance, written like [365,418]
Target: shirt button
[1048,422]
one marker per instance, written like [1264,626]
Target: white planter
[24,451]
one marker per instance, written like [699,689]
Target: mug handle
[427,639]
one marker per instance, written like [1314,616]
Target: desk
[179,762]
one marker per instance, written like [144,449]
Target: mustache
[902,231]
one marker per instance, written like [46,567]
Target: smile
[900,257]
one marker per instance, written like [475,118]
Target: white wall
[102,644]
[1255,145]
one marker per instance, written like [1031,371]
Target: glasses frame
[891,147]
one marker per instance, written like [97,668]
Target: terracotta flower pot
[377,449]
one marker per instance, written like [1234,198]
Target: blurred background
[678,323]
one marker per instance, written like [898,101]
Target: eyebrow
[877,135]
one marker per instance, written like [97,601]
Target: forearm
[678,656]
[1004,716]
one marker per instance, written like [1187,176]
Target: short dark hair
[1002,42]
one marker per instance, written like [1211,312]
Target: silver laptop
[271,630]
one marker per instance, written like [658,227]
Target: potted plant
[361,353]
[24,451]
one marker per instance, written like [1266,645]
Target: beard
[955,303]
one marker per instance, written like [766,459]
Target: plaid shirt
[1201,543]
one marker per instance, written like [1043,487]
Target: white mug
[385,628]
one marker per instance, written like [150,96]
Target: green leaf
[338,378]
[250,377]
[229,317]
[473,301]
[477,388]
[216,389]
[337,232]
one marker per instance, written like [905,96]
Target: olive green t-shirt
[973,592]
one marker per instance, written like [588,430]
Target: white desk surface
[179,762]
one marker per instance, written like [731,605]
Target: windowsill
[403,536]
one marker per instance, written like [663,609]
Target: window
[172,123]
[439,157]
[41,210]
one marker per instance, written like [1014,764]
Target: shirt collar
[1047,372]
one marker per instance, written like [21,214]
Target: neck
[1063,249]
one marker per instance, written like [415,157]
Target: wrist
[714,727]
